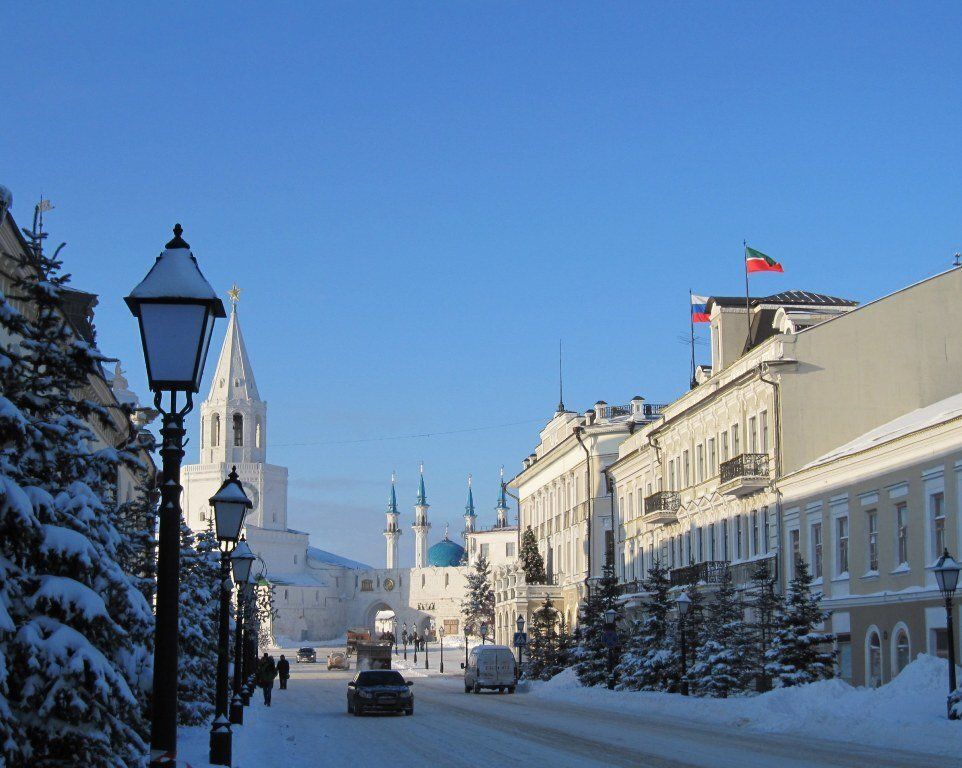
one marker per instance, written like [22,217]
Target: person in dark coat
[283,671]
[266,672]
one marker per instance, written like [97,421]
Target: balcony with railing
[661,507]
[717,571]
[746,473]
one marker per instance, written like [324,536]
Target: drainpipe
[778,470]
[578,432]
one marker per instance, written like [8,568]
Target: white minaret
[469,515]
[421,525]
[392,531]
[502,508]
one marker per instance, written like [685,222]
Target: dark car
[379,690]
[306,654]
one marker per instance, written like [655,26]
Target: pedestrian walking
[283,671]
[266,672]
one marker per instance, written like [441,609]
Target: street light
[519,623]
[230,504]
[241,561]
[394,635]
[611,641]
[441,651]
[404,638]
[484,632]
[946,571]
[175,307]
[683,603]
[427,631]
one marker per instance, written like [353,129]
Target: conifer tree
[478,605]
[764,605]
[73,662]
[796,655]
[649,656]
[197,626]
[591,655]
[722,659]
[543,647]
[532,563]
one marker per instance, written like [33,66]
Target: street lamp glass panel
[610,616]
[241,561]
[684,603]
[484,630]
[946,574]
[520,623]
[230,505]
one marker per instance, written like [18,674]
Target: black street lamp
[427,631]
[465,666]
[241,561]
[230,505]
[611,615]
[441,650]
[404,639]
[484,632]
[175,308]
[519,623]
[683,603]
[947,577]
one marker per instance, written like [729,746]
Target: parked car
[338,660]
[306,654]
[379,690]
[490,666]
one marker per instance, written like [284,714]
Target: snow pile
[908,713]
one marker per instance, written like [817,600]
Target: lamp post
[611,640]
[394,635]
[241,561]
[947,577]
[175,308]
[427,630]
[683,603]
[519,623]
[465,645]
[404,639]
[441,650]
[484,632]
[230,505]
[415,643]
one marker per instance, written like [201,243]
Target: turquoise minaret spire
[421,524]
[392,530]
[469,514]
[502,508]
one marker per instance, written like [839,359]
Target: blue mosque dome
[445,554]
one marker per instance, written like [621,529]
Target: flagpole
[691,325]
[748,312]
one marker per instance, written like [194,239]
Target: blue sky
[420,199]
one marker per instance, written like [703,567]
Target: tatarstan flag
[756,261]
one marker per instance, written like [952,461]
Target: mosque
[320,595]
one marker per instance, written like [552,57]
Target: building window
[711,542]
[844,647]
[295,559]
[763,421]
[873,659]
[735,450]
[795,548]
[816,550]
[903,651]
[689,551]
[700,544]
[872,521]
[631,505]
[509,549]
[766,530]
[422,580]
[754,532]
[753,435]
[257,433]
[238,429]
[367,585]
[712,463]
[937,502]
[724,526]
[841,527]
[446,580]
[485,550]
[700,462]
[687,463]
[940,642]
[215,430]
[285,595]
[724,446]
[738,537]
[902,534]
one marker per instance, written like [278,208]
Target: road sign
[610,638]
[520,639]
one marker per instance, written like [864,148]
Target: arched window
[901,648]
[873,658]
[238,429]
[257,433]
[215,430]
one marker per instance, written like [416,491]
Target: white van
[490,666]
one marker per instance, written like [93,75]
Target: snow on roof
[329,558]
[913,421]
[296,580]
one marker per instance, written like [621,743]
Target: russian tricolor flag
[699,309]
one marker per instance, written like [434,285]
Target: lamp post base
[237,711]
[220,743]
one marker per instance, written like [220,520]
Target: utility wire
[406,437]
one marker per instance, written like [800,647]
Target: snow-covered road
[308,725]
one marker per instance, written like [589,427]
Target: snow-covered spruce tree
[722,659]
[543,646]
[478,605]
[797,654]
[649,656]
[591,655]
[197,620]
[763,604]
[532,563]
[73,664]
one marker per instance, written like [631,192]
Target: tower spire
[469,514]
[422,495]
[392,531]
[502,508]
[561,386]
[421,525]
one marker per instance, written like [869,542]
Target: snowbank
[908,713]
